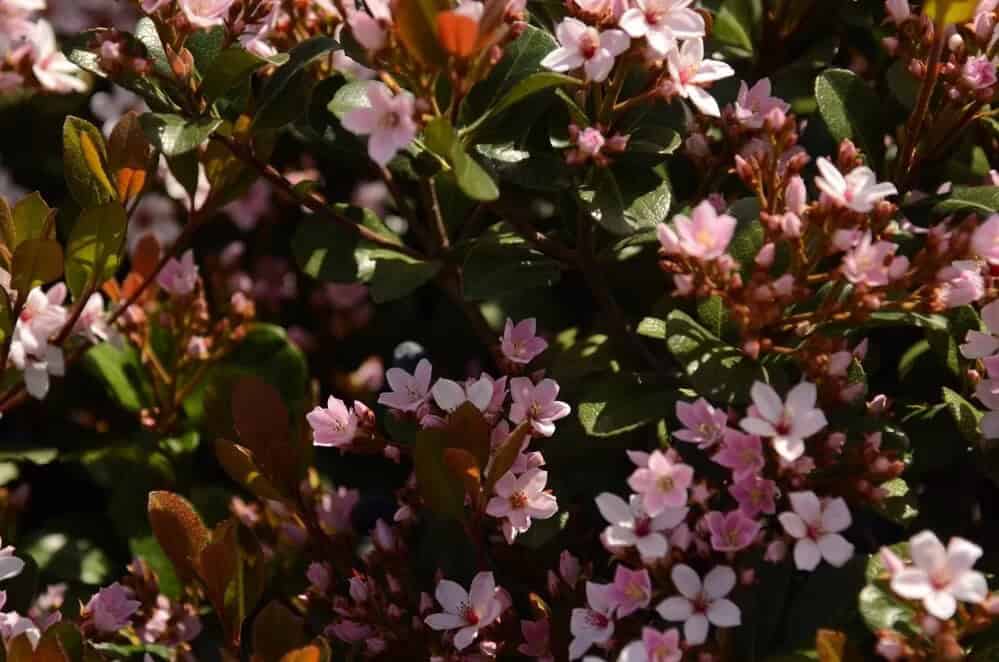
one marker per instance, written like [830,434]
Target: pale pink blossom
[939,576]
[742,453]
[689,72]
[755,495]
[704,425]
[985,240]
[873,263]
[179,277]
[705,235]
[586,47]
[979,72]
[654,646]
[41,317]
[731,531]
[662,483]
[387,121]
[520,342]
[701,605]
[593,624]
[449,395]
[858,191]
[409,392]
[960,283]
[371,30]
[978,345]
[92,323]
[787,423]
[53,70]
[630,526]
[205,13]
[816,526]
[898,10]
[662,22]
[519,500]
[10,565]
[630,591]
[537,404]
[611,8]
[112,607]
[754,103]
[466,611]
[334,425]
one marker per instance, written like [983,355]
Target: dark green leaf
[441,490]
[982,199]
[966,416]
[500,264]
[231,68]
[397,275]
[300,58]
[94,249]
[36,262]
[851,110]
[121,371]
[173,135]
[30,218]
[621,404]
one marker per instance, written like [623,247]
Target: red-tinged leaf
[276,631]
[19,649]
[440,490]
[240,464]
[129,157]
[261,419]
[506,455]
[217,566]
[146,256]
[61,639]
[458,33]
[179,530]
[8,235]
[416,22]
[50,649]
[467,428]
[317,651]
[830,646]
[464,467]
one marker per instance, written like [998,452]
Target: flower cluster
[29,56]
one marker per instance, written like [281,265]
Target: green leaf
[328,251]
[627,202]
[146,32]
[901,504]
[652,327]
[173,135]
[502,263]
[734,25]
[621,404]
[94,249]
[441,490]
[30,217]
[881,610]
[526,87]
[716,370]
[269,354]
[85,163]
[205,46]
[397,275]
[748,238]
[36,262]
[231,68]
[121,371]
[350,97]
[416,24]
[149,550]
[574,357]
[851,110]
[983,199]
[301,57]
[473,181]
[965,415]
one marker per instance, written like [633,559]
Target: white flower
[631,526]
[816,527]
[858,190]
[518,500]
[701,605]
[978,345]
[467,612]
[205,13]
[592,625]
[662,22]
[940,577]
[10,565]
[450,395]
[37,370]
[52,69]
[409,392]
[586,47]
[689,71]
[787,423]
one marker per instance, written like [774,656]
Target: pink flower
[53,70]
[631,526]
[409,392]
[662,22]
[732,531]
[755,495]
[450,395]
[788,423]
[704,424]
[112,607]
[594,624]
[388,122]
[701,605]
[742,453]
[654,646]
[940,577]
[979,72]
[520,343]
[467,612]
[537,641]
[753,104]
[586,47]
[662,483]
[179,277]
[612,8]
[961,283]
[519,500]
[630,591]
[92,323]
[703,236]
[333,426]
[689,71]
[205,13]
[898,10]
[978,345]
[537,404]
[371,30]
[985,240]
[320,576]
[858,190]
[873,264]
[816,528]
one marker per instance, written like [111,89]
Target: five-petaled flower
[662,483]
[466,611]
[689,72]
[940,576]
[409,392]
[858,191]
[518,500]
[817,527]
[520,342]
[387,121]
[586,47]
[701,605]
[704,235]
[631,526]
[536,403]
[662,22]
[787,423]
[334,425]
